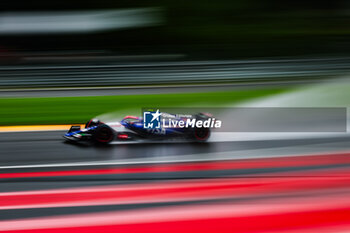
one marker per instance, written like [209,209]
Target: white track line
[244,137]
[203,157]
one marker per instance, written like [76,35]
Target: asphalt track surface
[288,185]
[50,147]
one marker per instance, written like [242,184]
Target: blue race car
[133,128]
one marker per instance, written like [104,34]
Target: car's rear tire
[103,135]
[201,134]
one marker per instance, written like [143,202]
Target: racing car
[132,128]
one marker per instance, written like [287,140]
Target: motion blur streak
[182,191]
[180,72]
[314,160]
[222,222]
[75,22]
[313,198]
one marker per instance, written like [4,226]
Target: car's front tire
[103,135]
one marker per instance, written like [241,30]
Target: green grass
[74,110]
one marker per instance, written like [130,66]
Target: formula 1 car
[132,128]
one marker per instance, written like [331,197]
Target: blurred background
[195,30]
[65,62]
